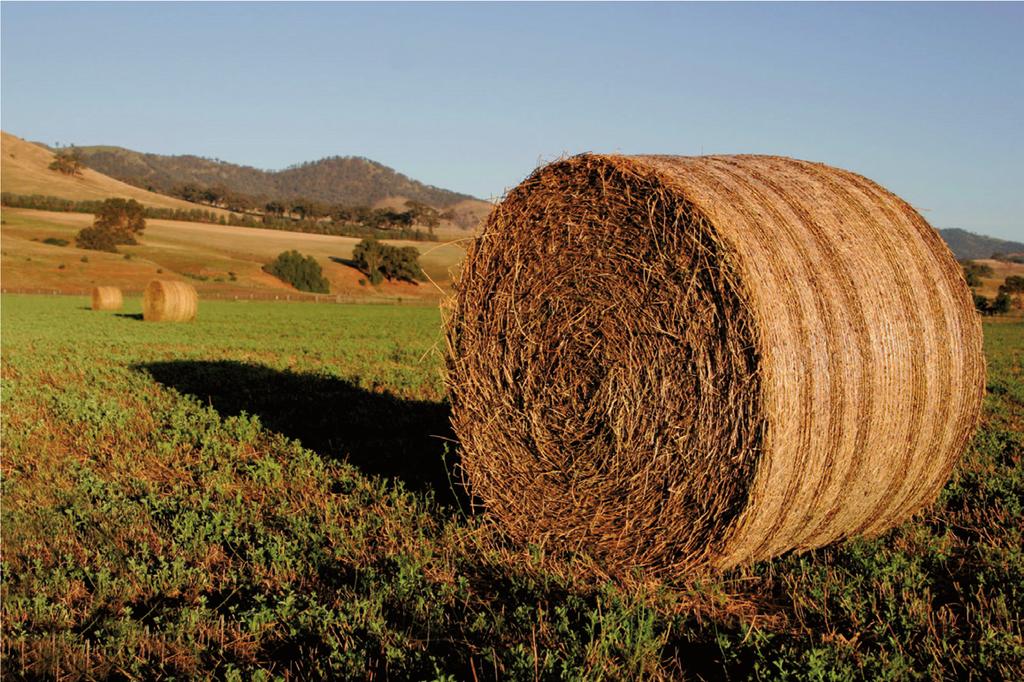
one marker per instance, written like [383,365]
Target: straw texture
[682,363]
[106,298]
[169,301]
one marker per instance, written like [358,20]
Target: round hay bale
[169,301]
[680,363]
[106,298]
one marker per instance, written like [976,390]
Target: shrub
[56,241]
[302,272]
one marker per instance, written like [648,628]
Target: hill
[347,180]
[25,170]
[969,246]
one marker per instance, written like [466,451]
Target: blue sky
[927,99]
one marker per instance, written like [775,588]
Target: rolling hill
[969,246]
[347,180]
[24,169]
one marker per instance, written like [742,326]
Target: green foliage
[226,500]
[302,272]
[382,261]
[67,161]
[973,272]
[56,241]
[1000,305]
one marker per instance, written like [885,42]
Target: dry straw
[106,298]
[685,363]
[169,301]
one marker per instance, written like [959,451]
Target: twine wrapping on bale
[106,298]
[169,301]
[681,363]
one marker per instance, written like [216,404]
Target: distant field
[194,251]
[268,491]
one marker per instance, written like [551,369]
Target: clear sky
[927,99]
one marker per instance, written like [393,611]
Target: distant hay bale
[687,363]
[107,298]
[169,301]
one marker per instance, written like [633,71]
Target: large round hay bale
[169,301]
[679,363]
[106,298]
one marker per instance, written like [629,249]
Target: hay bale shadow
[127,316]
[381,434]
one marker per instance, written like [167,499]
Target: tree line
[415,214]
[358,222]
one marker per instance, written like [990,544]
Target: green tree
[973,272]
[1000,304]
[302,272]
[369,258]
[380,261]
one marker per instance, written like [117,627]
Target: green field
[268,492]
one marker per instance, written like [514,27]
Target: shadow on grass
[344,261]
[129,316]
[379,433]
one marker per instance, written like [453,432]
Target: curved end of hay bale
[677,363]
[169,301]
[106,298]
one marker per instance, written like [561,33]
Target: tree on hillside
[117,221]
[96,239]
[189,192]
[381,261]
[973,272]
[424,215]
[1013,287]
[124,218]
[369,258]
[68,161]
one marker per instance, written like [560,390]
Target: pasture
[271,491]
[218,260]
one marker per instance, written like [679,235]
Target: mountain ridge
[351,180]
[967,245]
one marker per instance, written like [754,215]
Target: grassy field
[267,492]
[218,260]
